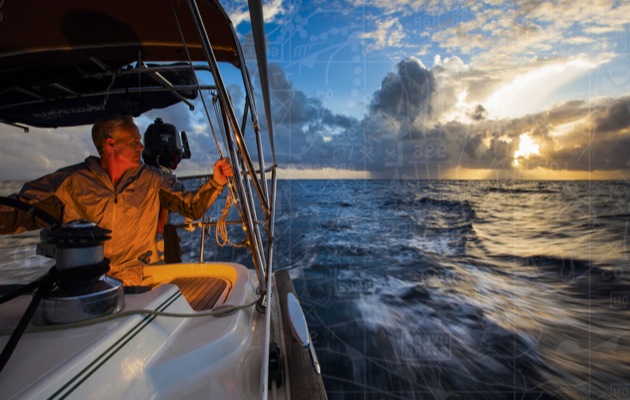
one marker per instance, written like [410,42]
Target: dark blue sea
[458,289]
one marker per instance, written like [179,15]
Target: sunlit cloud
[528,93]
[239,13]
[388,33]
[566,128]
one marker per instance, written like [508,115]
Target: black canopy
[70,62]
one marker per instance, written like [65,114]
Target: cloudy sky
[421,89]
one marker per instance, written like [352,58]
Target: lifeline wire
[217,313]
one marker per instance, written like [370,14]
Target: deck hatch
[201,292]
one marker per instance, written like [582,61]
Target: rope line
[221,232]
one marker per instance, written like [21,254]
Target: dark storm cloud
[566,111]
[479,113]
[396,137]
[290,104]
[405,94]
[307,133]
[603,143]
[598,137]
[484,145]
[471,144]
[293,106]
[616,117]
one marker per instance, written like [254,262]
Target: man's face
[128,147]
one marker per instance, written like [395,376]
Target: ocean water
[463,290]
[448,289]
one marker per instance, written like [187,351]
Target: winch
[81,288]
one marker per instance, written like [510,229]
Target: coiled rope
[221,232]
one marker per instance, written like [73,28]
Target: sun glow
[526,148]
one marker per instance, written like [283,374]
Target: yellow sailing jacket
[130,210]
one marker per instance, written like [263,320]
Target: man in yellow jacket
[119,193]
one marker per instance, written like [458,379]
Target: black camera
[164,146]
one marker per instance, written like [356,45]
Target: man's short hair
[107,127]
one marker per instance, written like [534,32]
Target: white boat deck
[144,356]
